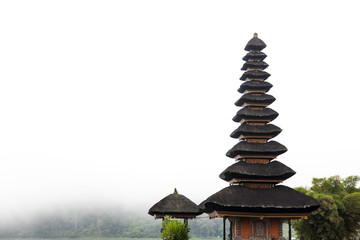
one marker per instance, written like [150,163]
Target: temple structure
[254,202]
[175,205]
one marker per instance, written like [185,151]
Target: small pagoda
[175,205]
[254,202]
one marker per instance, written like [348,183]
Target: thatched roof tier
[255,86]
[253,98]
[256,130]
[248,113]
[270,148]
[279,199]
[251,171]
[175,205]
[255,75]
[255,56]
[255,44]
[258,64]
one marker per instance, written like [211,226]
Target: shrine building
[256,203]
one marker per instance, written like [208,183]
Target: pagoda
[175,205]
[254,202]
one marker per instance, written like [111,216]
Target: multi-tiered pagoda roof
[255,176]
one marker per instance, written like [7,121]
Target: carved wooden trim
[248,156]
[255,79]
[254,136]
[258,185]
[236,180]
[255,91]
[256,123]
[185,216]
[256,120]
[255,69]
[256,108]
[256,140]
[247,104]
[258,161]
[222,214]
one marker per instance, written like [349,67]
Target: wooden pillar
[231,229]
[224,231]
[289,229]
[186,222]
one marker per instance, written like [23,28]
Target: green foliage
[173,229]
[350,184]
[352,214]
[338,217]
[321,223]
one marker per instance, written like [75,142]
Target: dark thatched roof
[247,113]
[269,148]
[254,85]
[252,171]
[255,74]
[279,199]
[255,44]
[255,55]
[259,64]
[256,130]
[255,98]
[175,205]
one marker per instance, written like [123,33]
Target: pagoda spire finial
[175,191]
[255,35]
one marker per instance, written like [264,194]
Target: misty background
[116,103]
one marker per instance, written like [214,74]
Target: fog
[108,103]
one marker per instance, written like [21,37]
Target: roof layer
[251,64]
[255,55]
[272,171]
[279,199]
[255,98]
[256,130]
[248,113]
[175,205]
[254,85]
[255,74]
[255,44]
[245,148]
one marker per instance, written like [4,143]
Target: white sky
[121,101]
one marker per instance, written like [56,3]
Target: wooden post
[224,231]
[187,224]
[231,229]
[289,229]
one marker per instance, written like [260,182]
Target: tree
[338,217]
[173,229]
[352,214]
